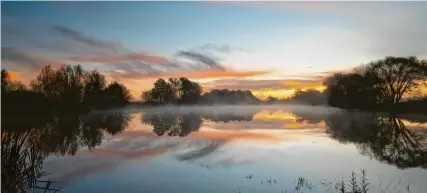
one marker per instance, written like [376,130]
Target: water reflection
[181,123]
[174,124]
[385,138]
[27,141]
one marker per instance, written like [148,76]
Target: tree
[70,82]
[7,85]
[162,92]
[5,80]
[46,84]
[116,94]
[351,91]
[93,90]
[271,99]
[189,91]
[310,96]
[397,76]
[146,96]
[175,85]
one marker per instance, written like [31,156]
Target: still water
[217,149]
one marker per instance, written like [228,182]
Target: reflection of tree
[26,142]
[174,124]
[384,138]
[228,116]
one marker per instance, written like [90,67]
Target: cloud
[19,60]
[223,48]
[262,84]
[82,38]
[201,58]
[191,75]
[134,57]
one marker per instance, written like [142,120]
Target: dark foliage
[226,96]
[175,91]
[67,89]
[379,85]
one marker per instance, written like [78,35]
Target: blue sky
[276,41]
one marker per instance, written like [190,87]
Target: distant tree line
[184,91]
[174,91]
[69,88]
[307,97]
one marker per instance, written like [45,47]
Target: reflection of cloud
[124,153]
[230,135]
[199,153]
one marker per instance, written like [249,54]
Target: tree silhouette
[351,91]
[180,90]
[189,91]
[5,80]
[7,85]
[271,99]
[226,96]
[116,94]
[93,90]
[310,96]
[162,92]
[396,76]
[379,85]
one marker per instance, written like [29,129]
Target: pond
[215,149]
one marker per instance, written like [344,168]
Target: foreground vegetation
[355,183]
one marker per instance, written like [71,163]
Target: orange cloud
[303,84]
[222,74]
[124,58]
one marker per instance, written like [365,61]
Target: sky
[270,48]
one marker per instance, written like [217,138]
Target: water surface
[224,149]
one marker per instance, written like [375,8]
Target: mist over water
[216,148]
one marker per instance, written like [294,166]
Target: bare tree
[397,76]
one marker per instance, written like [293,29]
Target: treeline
[69,88]
[380,85]
[184,91]
[173,91]
[307,97]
